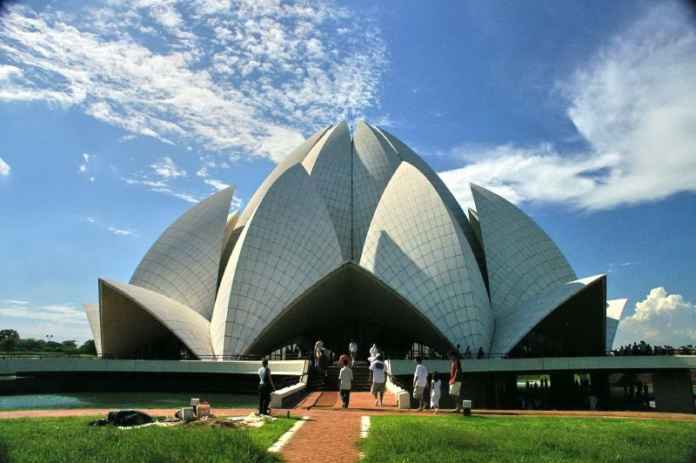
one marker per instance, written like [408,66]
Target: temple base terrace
[490,383]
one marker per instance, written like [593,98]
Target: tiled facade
[184,262]
[415,246]
[522,261]
[367,200]
[287,246]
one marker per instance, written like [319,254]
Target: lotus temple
[354,237]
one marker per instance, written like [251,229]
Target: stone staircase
[361,378]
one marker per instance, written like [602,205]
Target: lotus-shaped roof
[352,237]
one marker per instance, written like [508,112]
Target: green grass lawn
[529,439]
[71,440]
[124,400]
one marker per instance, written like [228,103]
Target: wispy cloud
[217,184]
[159,179]
[121,231]
[661,318]
[65,321]
[14,301]
[241,77]
[117,231]
[4,168]
[634,104]
[618,266]
[84,168]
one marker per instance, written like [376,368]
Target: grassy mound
[529,439]
[43,440]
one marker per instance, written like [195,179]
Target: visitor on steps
[266,386]
[420,382]
[318,353]
[379,379]
[353,349]
[373,352]
[435,392]
[345,379]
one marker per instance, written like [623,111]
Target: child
[435,391]
[345,378]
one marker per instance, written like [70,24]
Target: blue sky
[115,117]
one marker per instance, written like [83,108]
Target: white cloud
[63,313]
[6,72]
[188,197]
[635,106]
[160,177]
[166,168]
[121,231]
[243,76]
[14,301]
[117,231]
[4,168]
[217,184]
[524,174]
[660,319]
[63,321]
[83,167]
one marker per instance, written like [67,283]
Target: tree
[68,346]
[8,340]
[88,347]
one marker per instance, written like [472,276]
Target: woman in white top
[345,378]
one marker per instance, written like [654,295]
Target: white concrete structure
[92,311]
[522,261]
[416,247]
[184,262]
[351,232]
[615,308]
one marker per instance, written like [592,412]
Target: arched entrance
[351,303]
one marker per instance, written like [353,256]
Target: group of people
[378,374]
[429,385]
[643,348]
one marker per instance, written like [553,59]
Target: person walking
[266,386]
[345,379]
[420,382]
[353,349]
[455,380]
[379,379]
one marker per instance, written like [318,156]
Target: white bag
[455,388]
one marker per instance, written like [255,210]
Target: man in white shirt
[420,382]
[379,379]
[353,349]
[345,378]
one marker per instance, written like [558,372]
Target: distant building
[354,238]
